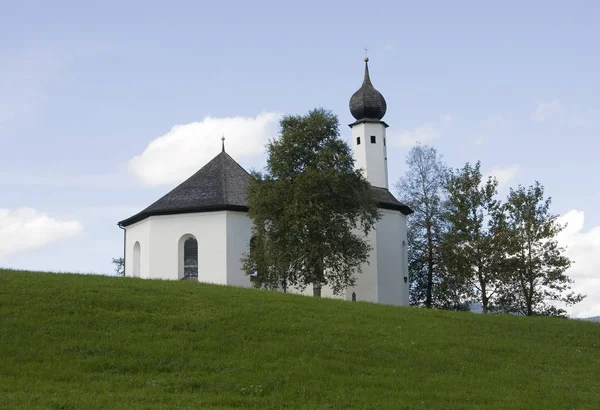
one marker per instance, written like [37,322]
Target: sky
[105,107]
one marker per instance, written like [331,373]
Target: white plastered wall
[223,237]
[159,239]
[209,230]
[391,261]
[138,232]
[239,232]
[382,279]
[326,292]
[372,158]
[365,287]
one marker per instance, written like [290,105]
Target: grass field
[85,342]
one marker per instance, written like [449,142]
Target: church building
[201,229]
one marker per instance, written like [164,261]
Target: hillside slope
[75,341]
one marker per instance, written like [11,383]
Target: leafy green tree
[422,188]
[119,266]
[475,244]
[311,209]
[538,264]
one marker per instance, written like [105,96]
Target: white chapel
[201,229]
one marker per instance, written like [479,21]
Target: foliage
[310,209]
[465,245]
[119,266]
[537,263]
[475,243]
[422,188]
[92,342]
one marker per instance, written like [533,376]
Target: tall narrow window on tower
[357,140]
[373,139]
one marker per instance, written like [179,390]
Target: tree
[119,266]
[422,188]
[537,262]
[475,244]
[311,209]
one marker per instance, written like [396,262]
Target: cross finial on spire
[366,54]
[223,142]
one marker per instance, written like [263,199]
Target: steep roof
[388,201]
[219,185]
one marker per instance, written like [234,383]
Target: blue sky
[84,90]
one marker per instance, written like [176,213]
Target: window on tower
[372,139]
[357,140]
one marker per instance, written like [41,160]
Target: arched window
[188,257]
[137,254]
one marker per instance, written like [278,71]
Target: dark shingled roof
[367,102]
[221,185]
[217,186]
[388,201]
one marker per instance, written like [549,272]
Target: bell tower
[368,107]
[384,277]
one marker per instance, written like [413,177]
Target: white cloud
[186,148]
[424,134]
[545,110]
[583,248]
[26,229]
[503,175]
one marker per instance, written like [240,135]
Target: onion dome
[367,102]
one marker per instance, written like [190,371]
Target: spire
[367,102]
[223,143]
[367,79]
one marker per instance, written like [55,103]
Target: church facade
[201,229]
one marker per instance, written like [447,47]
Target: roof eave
[368,120]
[404,209]
[143,215]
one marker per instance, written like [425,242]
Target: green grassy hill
[75,342]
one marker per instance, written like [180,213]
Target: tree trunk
[317,278]
[429,298]
[529,298]
[529,270]
[484,297]
[484,304]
